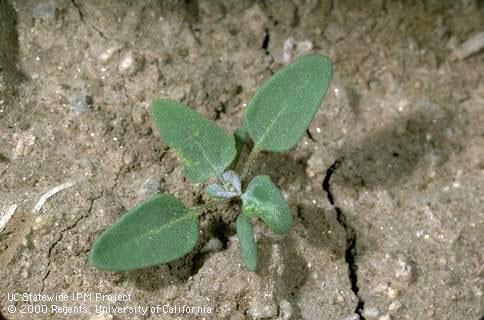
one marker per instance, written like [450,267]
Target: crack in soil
[351,239]
[265,41]
[81,15]
[265,47]
[310,135]
[59,239]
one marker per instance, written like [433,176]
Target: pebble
[262,308]
[108,54]
[292,49]
[371,312]
[213,245]
[315,165]
[285,309]
[79,104]
[149,187]
[385,317]
[392,293]
[340,299]
[131,62]
[138,115]
[44,10]
[39,222]
[353,317]
[381,288]
[404,272]
[395,305]
[25,143]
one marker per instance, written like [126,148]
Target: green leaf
[156,231]
[265,201]
[248,247]
[282,108]
[205,149]
[241,137]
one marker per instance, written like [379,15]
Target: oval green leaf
[265,201]
[204,148]
[156,231]
[248,247]
[282,108]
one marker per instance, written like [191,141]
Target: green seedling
[162,229]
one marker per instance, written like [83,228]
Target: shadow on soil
[295,271]
[9,48]
[390,155]
[310,222]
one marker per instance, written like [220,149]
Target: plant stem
[249,164]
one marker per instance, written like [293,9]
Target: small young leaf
[205,149]
[232,178]
[156,231]
[282,108]
[265,201]
[248,247]
[217,191]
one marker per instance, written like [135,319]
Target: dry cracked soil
[386,187]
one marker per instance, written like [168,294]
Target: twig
[49,194]
[471,46]
[7,215]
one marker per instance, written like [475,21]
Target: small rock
[381,288]
[262,308]
[25,142]
[131,62]
[108,54]
[404,272]
[45,10]
[213,245]
[395,305]
[138,115]
[315,166]
[149,187]
[39,222]
[79,104]
[285,310]
[371,312]
[339,299]
[293,49]
[392,293]
[385,317]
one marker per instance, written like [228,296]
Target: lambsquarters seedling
[162,229]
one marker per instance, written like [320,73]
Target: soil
[386,188]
